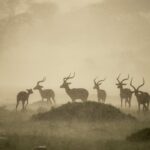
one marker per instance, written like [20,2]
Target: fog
[93,38]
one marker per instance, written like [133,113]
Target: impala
[45,93]
[75,93]
[143,98]
[23,96]
[125,93]
[101,94]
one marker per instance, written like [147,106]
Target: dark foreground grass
[22,133]
[28,142]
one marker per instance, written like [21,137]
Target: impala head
[121,83]
[30,91]
[97,83]
[38,86]
[136,90]
[65,83]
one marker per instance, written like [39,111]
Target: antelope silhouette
[101,94]
[23,96]
[125,93]
[46,93]
[75,93]
[143,98]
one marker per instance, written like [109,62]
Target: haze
[93,38]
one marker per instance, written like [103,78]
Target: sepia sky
[90,37]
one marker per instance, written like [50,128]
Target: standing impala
[143,98]
[101,94]
[46,93]
[23,97]
[75,93]
[125,93]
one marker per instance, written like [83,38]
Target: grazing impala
[75,93]
[125,93]
[101,94]
[46,93]
[23,96]
[143,98]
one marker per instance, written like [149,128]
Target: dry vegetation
[19,132]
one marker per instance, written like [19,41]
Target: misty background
[94,38]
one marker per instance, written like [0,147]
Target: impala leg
[121,102]
[49,100]
[100,100]
[143,107]
[17,105]
[139,107]
[26,104]
[23,108]
[125,103]
[53,100]
[129,102]
[147,105]
[103,100]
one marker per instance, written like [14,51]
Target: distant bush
[89,111]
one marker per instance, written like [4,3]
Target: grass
[89,111]
[25,134]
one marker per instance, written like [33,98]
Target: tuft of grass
[140,136]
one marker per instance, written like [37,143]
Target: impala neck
[28,93]
[67,89]
[121,90]
[98,88]
[40,90]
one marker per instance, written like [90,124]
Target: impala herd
[143,98]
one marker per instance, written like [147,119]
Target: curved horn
[118,77]
[132,84]
[100,81]
[95,80]
[72,76]
[41,81]
[141,84]
[66,78]
[69,77]
[125,79]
